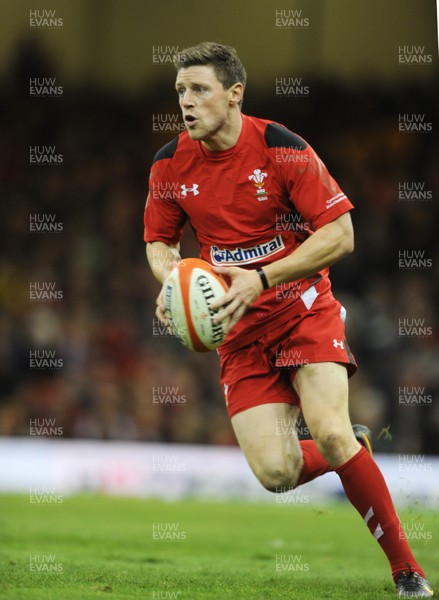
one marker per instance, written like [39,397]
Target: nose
[187,99]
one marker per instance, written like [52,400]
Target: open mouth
[190,119]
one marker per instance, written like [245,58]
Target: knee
[280,475]
[335,445]
[328,441]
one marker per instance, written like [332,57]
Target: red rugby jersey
[248,206]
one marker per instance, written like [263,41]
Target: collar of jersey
[225,154]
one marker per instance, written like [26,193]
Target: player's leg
[323,390]
[266,436]
[263,408]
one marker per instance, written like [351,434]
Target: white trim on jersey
[335,200]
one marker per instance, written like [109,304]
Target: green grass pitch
[101,547]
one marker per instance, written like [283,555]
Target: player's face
[204,102]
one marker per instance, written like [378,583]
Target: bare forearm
[161,258]
[325,247]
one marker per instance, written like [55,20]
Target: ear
[236,91]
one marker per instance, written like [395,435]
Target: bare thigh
[323,392]
[267,437]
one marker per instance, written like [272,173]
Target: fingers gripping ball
[190,289]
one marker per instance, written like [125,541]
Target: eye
[180,91]
[200,88]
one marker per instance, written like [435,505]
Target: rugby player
[270,218]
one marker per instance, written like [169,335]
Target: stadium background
[115,359]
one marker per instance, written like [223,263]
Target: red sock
[314,464]
[365,487]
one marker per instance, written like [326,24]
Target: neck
[228,135]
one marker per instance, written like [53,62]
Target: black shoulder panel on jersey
[166,151]
[277,136]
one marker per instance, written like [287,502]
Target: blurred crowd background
[120,368]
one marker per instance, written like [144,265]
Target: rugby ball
[190,289]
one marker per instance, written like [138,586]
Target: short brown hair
[224,60]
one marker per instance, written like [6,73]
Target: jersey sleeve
[312,190]
[164,218]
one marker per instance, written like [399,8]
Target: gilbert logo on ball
[190,290]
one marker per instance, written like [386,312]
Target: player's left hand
[246,286]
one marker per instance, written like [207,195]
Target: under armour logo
[193,189]
[338,344]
